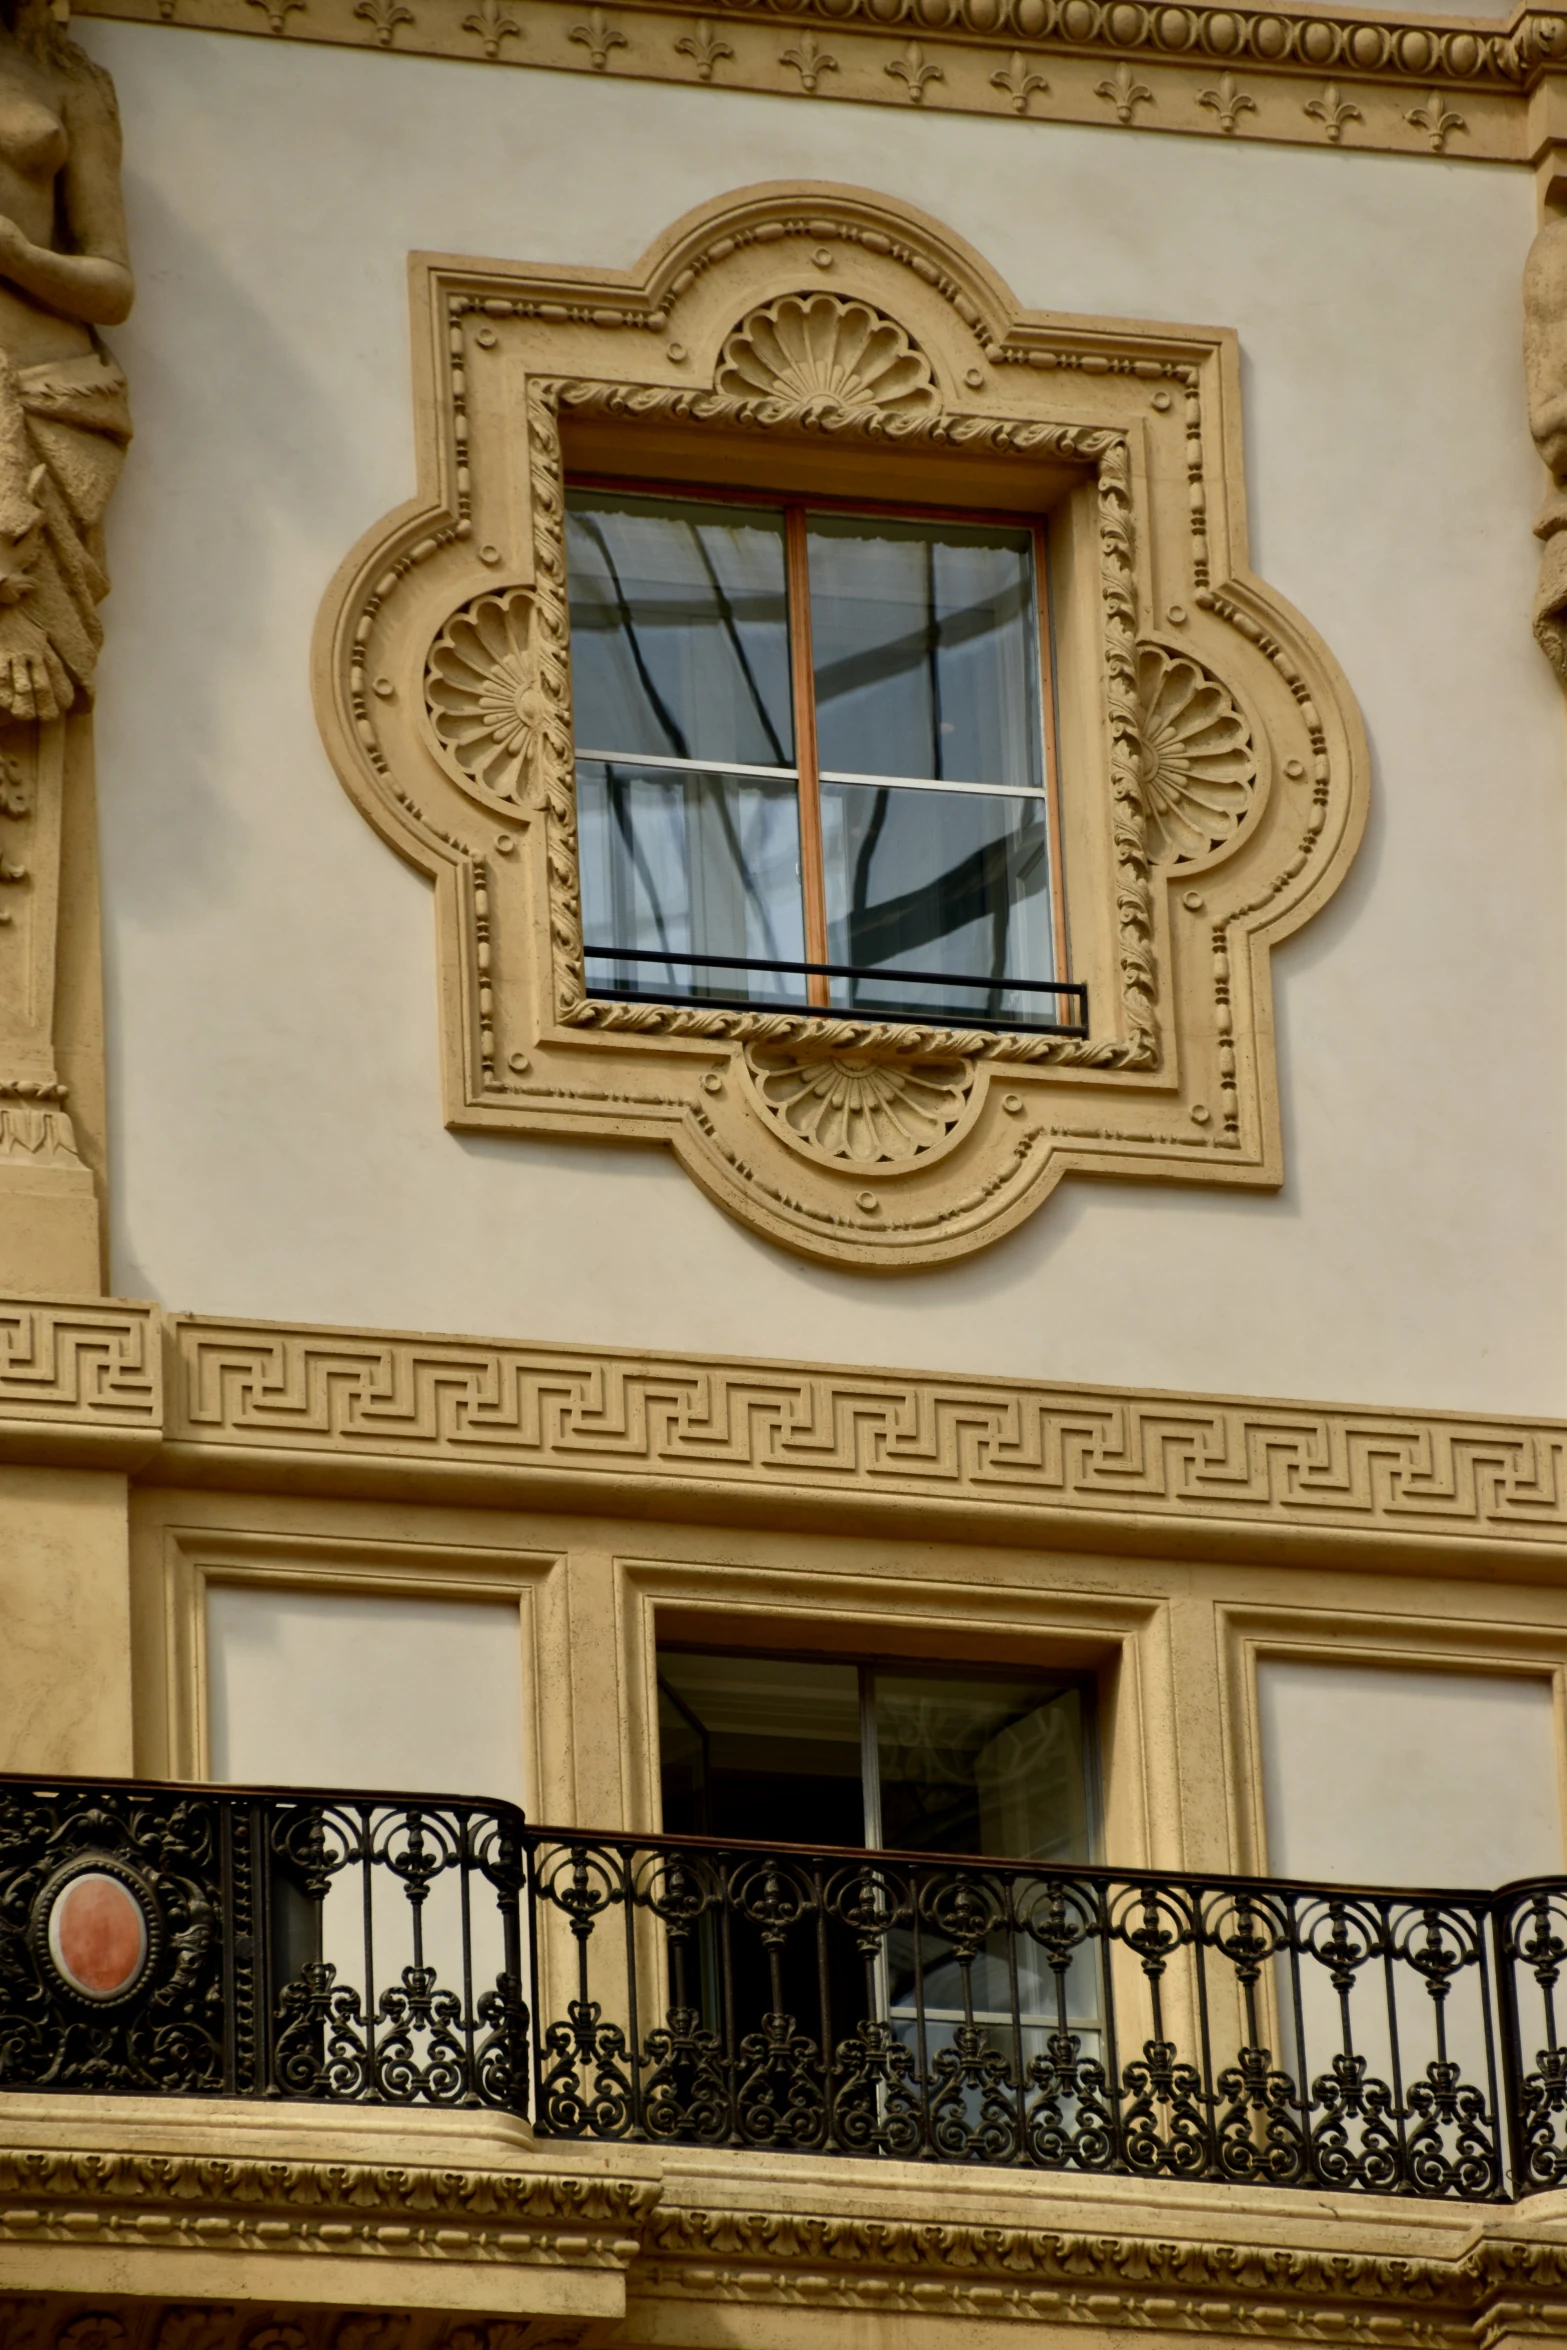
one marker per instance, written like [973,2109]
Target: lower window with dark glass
[815,759]
[817,1758]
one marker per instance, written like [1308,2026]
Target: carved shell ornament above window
[789,344]
[1195,759]
[818,348]
[482,691]
[857,1107]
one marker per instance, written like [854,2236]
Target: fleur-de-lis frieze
[1436,120]
[913,70]
[492,24]
[385,16]
[1018,82]
[703,46]
[1332,112]
[810,61]
[276,12]
[598,36]
[1229,102]
[1125,93]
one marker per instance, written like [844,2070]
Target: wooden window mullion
[1051,774]
[802,669]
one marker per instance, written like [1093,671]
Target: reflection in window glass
[926,650]
[679,629]
[810,1751]
[935,881]
[702,836]
[686,861]
[981,1766]
[913,1760]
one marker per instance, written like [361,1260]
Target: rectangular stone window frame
[821,342]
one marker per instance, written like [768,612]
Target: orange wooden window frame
[802,676]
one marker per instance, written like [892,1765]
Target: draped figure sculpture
[1545,374]
[64,417]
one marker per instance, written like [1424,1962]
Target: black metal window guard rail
[1073,993]
[400,1950]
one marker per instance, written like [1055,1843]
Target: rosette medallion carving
[444,687]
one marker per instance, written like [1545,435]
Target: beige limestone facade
[413,1339]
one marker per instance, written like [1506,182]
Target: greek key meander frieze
[381,1402]
[90,1368]
[1214,761]
[1340,79]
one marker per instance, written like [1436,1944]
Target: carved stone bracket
[1213,764]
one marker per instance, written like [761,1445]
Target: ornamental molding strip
[81,1372]
[1214,762]
[250,1404]
[1459,88]
[284,2255]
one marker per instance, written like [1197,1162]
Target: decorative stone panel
[1213,766]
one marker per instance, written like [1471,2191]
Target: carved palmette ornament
[1196,763]
[820,348]
[867,1111]
[485,702]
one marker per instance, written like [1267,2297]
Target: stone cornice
[1400,83]
[369,1412]
[185,2207]
[208,2202]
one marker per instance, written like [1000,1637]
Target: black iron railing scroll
[367,1949]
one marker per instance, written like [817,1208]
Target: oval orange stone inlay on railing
[98,1934]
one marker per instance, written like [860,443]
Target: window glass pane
[998,1769]
[990,1767]
[679,629]
[926,650]
[769,1749]
[937,881]
[689,863]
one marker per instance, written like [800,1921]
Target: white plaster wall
[1380,1776]
[277,1140]
[363,1690]
[352,1689]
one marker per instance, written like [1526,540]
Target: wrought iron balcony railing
[211,1941]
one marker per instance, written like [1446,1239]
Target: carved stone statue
[64,418]
[1545,372]
[64,424]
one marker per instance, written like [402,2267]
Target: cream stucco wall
[276,1128]
[352,1689]
[1374,1776]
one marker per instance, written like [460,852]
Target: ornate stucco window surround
[1212,763]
